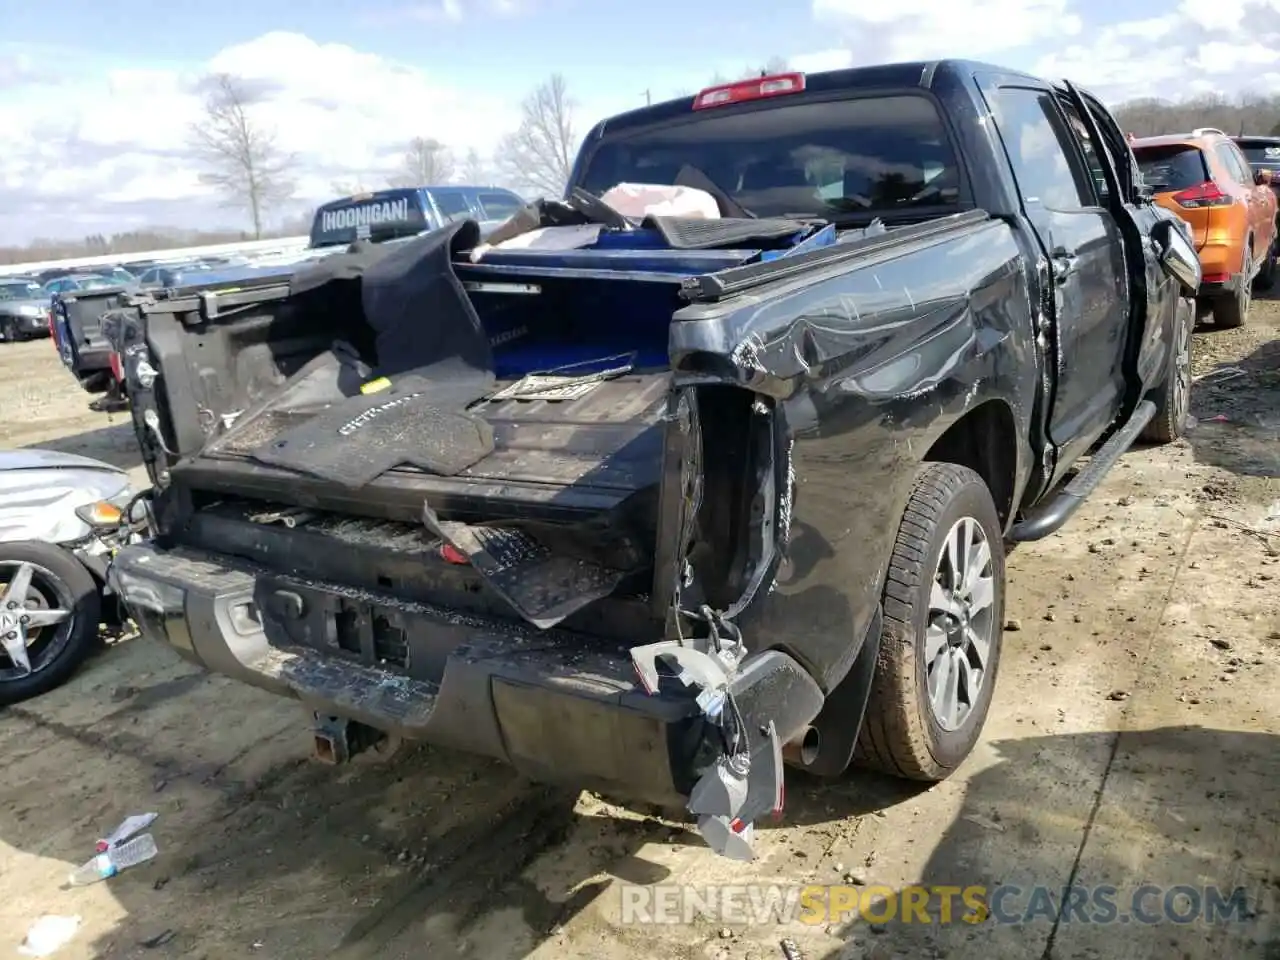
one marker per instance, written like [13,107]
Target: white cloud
[121,136]
[820,60]
[1203,46]
[104,146]
[924,29]
[1218,56]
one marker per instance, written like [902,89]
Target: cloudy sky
[96,99]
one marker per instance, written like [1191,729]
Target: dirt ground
[1135,739]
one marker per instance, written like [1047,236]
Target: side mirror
[1177,253]
[1262,178]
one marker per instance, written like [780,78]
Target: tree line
[241,159]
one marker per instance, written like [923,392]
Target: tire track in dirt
[467,871]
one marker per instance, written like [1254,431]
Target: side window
[1239,167]
[1092,152]
[453,206]
[1041,149]
[499,206]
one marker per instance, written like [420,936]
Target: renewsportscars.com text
[1006,904]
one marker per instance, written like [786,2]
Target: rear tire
[1267,275]
[1173,397]
[905,732]
[64,584]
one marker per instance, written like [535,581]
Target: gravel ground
[1133,740]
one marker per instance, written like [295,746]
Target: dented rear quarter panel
[870,363]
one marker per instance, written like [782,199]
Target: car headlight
[101,514]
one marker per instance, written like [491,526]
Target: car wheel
[9,330]
[1173,397]
[49,611]
[943,622]
[1231,311]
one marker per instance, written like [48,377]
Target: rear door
[1262,204]
[1259,209]
[1154,297]
[1083,259]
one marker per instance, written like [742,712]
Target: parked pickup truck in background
[752,510]
[394,213]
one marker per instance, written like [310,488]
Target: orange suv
[1205,179]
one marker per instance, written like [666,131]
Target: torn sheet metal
[545,572]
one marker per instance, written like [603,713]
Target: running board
[1049,517]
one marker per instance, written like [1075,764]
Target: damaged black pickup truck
[659,503]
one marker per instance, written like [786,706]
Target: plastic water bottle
[109,863]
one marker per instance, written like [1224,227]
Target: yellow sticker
[375,386]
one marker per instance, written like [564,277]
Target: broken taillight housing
[756,88]
[1207,194]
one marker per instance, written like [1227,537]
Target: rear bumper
[1221,259]
[555,706]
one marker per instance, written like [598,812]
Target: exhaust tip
[803,751]
[326,750]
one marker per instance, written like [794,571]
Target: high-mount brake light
[757,88]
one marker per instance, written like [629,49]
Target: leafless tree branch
[539,155]
[426,161]
[475,170]
[241,158]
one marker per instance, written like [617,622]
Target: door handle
[1063,265]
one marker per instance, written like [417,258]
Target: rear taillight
[1207,194]
[1215,277]
[52,336]
[117,368]
[756,88]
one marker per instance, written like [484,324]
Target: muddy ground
[1135,739]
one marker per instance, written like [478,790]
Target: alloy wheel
[33,623]
[961,625]
[1180,402]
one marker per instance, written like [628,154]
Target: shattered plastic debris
[130,826]
[48,934]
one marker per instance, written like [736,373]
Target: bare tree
[474,169]
[348,187]
[426,161]
[1249,113]
[539,154]
[241,157]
